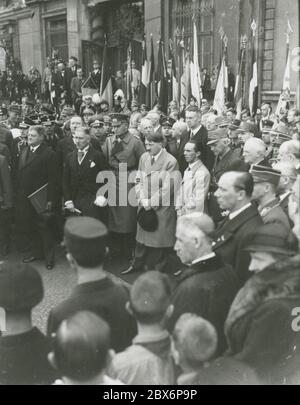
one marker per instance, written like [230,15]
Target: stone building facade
[34,29]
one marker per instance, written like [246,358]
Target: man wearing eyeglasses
[234,194]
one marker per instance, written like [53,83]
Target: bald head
[179,128]
[254,151]
[194,341]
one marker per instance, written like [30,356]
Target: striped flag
[253,87]
[238,91]
[185,80]
[173,88]
[106,90]
[162,79]
[196,85]
[129,73]
[145,76]
[151,76]
[285,95]
[222,84]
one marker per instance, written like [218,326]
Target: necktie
[80,154]
[152,160]
[117,147]
[32,150]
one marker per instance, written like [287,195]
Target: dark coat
[6,189]
[232,161]
[107,300]
[23,359]
[96,78]
[79,181]
[260,329]
[6,137]
[62,83]
[231,237]
[206,289]
[201,137]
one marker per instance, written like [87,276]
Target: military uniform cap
[85,238]
[104,102]
[21,287]
[118,117]
[215,135]
[168,122]
[23,125]
[96,124]
[264,174]
[68,111]
[234,125]
[14,108]
[107,119]
[267,124]
[223,123]
[247,127]
[47,109]
[273,238]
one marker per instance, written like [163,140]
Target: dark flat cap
[148,220]
[263,174]
[273,238]
[21,287]
[85,238]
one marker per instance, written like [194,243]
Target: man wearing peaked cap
[248,128]
[85,240]
[122,148]
[23,348]
[266,181]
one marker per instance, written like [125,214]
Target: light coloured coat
[192,196]
[153,184]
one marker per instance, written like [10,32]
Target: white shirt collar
[195,131]
[203,258]
[283,196]
[238,212]
[157,156]
[34,148]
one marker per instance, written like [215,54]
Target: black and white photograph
[149,195]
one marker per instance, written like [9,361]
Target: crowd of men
[218,264]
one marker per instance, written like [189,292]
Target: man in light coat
[192,196]
[158,177]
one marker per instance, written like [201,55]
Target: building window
[57,37]
[183,12]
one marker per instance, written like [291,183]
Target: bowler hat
[21,287]
[273,238]
[148,220]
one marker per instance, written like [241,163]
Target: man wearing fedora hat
[259,327]
[266,182]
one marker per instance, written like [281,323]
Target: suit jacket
[231,238]
[206,289]
[6,137]
[207,156]
[192,196]
[6,189]
[37,169]
[153,183]
[62,83]
[76,87]
[79,180]
[96,78]
[107,300]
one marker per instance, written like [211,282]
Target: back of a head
[242,181]
[197,222]
[256,144]
[150,297]
[81,346]
[155,137]
[195,339]
[292,147]
[21,287]
[85,239]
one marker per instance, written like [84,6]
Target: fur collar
[280,280]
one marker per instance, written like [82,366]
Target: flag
[196,85]
[145,76]
[238,91]
[253,87]
[129,74]
[222,83]
[106,91]
[185,80]
[285,95]
[173,87]
[151,78]
[162,79]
